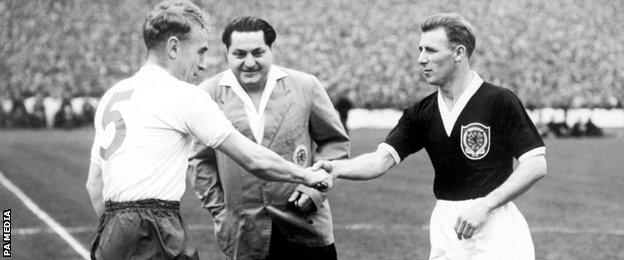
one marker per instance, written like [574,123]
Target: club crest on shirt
[475,140]
[300,156]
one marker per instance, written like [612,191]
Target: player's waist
[113,206]
[467,202]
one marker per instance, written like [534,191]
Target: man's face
[249,58]
[437,57]
[191,60]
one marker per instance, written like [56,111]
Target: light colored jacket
[299,116]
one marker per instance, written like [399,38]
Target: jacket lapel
[234,109]
[277,108]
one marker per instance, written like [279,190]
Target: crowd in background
[551,53]
[47,112]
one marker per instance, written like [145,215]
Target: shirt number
[120,125]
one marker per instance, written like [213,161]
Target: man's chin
[194,79]
[247,81]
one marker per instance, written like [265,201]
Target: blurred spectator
[52,106]
[66,118]
[2,118]
[578,129]
[88,113]
[18,117]
[593,130]
[343,105]
[559,129]
[38,119]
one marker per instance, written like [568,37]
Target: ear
[460,53]
[173,47]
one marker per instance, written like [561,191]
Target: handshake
[319,176]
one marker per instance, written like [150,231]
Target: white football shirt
[144,127]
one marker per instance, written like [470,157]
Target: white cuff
[389,149]
[534,152]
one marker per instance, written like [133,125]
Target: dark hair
[172,18]
[248,24]
[457,29]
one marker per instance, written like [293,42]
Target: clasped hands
[318,177]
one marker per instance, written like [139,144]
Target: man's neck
[254,88]
[454,88]
[155,60]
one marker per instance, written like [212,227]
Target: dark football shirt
[490,131]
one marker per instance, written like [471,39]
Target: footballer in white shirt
[144,127]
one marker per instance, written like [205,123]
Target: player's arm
[267,165]
[363,167]
[95,187]
[528,172]
[399,143]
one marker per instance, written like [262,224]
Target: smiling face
[250,58]
[437,57]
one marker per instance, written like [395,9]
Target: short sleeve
[522,135]
[205,120]
[405,136]
[99,131]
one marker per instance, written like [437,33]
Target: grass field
[576,212]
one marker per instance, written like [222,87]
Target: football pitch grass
[576,212]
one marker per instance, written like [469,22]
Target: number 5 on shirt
[114,116]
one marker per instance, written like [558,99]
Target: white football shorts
[505,234]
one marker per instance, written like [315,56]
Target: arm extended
[95,187]
[363,167]
[267,165]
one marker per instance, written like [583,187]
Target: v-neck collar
[449,117]
[255,117]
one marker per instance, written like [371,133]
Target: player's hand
[319,179]
[469,221]
[301,201]
[324,165]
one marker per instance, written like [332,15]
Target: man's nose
[422,58]
[203,63]
[249,61]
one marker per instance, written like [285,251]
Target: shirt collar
[449,117]
[155,70]
[255,117]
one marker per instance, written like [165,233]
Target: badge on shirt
[475,140]
[300,156]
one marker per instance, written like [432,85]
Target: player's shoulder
[423,108]
[491,91]
[296,74]
[121,85]
[496,91]
[298,78]
[211,83]
[426,103]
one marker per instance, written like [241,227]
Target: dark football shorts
[145,229]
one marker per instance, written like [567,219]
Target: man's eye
[257,53]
